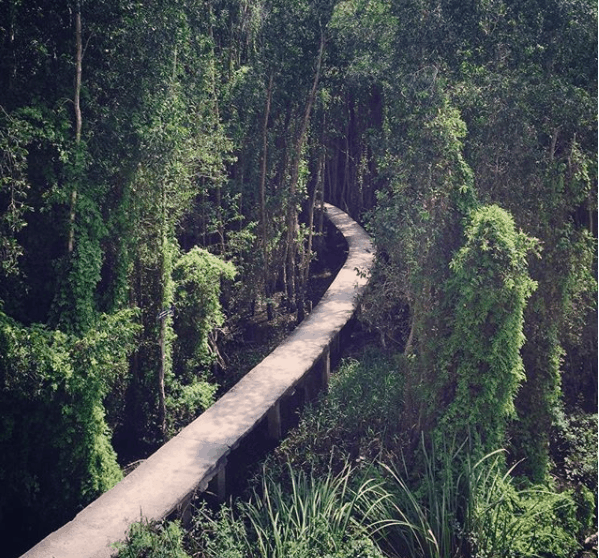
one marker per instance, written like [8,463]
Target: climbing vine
[482,368]
[52,388]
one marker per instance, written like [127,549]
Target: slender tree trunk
[161,374]
[278,256]
[218,191]
[320,227]
[219,218]
[553,144]
[344,186]
[306,252]
[164,270]
[78,123]
[333,168]
[320,196]
[204,203]
[263,216]
[410,342]
[292,221]
[78,72]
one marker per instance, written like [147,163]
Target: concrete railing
[164,484]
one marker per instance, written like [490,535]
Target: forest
[162,166]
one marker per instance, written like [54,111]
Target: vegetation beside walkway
[348,483]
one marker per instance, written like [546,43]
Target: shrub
[52,387]
[186,402]
[357,419]
[483,370]
[197,276]
[147,540]
[574,447]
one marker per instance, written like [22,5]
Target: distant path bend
[185,464]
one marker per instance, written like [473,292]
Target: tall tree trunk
[162,317]
[161,374]
[263,216]
[220,229]
[292,221]
[306,251]
[320,181]
[78,123]
[344,186]
[219,219]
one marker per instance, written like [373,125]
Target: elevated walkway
[164,484]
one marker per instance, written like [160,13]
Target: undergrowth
[341,486]
[355,421]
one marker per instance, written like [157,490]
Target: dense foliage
[483,370]
[161,169]
[53,417]
[323,494]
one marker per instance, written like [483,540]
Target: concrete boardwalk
[186,464]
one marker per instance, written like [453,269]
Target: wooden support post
[184,510]
[334,347]
[218,484]
[221,483]
[326,367]
[307,389]
[274,422]
[346,332]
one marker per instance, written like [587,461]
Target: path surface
[191,459]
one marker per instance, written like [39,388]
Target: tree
[531,115]
[197,277]
[290,64]
[482,367]
[52,387]
[527,114]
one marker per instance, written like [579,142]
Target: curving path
[166,481]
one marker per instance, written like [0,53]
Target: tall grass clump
[462,507]
[304,517]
